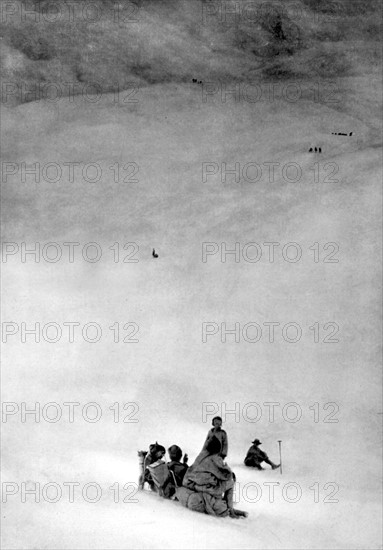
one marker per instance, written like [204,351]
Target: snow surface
[170,372]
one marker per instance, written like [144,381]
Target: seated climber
[163,478]
[255,456]
[172,475]
[156,452]
[175,465]
[208,484]
[159,471]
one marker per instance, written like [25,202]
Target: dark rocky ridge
[148,42]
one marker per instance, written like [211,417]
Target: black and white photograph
[191,268]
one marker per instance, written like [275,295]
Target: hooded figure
[208,484]
[163,480]
[151,459]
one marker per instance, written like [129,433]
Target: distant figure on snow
[255,456]
[278,29]
[220,434]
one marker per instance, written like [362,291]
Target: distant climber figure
[278,29]
[154,254]
[256,456]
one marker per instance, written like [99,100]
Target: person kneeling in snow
[255,456]
[208,484]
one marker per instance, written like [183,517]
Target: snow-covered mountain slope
[170,372]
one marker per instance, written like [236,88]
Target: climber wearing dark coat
[175,465]
[255,456]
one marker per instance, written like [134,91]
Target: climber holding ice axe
[255,456]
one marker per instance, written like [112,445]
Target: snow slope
[170,372]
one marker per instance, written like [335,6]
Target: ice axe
[280,454]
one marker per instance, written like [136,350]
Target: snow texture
[170,132]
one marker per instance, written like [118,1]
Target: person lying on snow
[208,484]
[255,456]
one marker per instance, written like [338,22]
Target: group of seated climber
[206,486]
[163,477]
